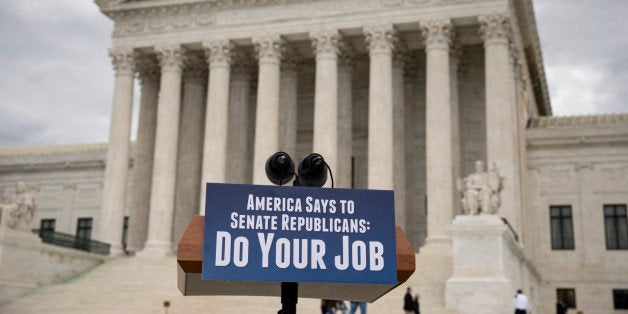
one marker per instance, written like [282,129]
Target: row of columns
[275,117]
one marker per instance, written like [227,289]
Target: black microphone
[279,168]
[312,170]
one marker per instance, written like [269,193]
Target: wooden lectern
[190,254]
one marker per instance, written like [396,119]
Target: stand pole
[289,297]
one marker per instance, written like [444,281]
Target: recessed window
[84,228]
[562,227]
[568,296]
[616,226]
[620,299]
[46,227]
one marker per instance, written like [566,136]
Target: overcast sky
[56,81]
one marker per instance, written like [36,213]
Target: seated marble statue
[19,213]
[480,191]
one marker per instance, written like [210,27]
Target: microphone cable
[330,174]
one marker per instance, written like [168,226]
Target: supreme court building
[402,95]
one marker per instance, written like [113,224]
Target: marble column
[269,50]
[414,119]
[117,166]
[190,153]
[455,56]
[502,138]
[288,102]
[380,40]
[217,115]
[326,44]
[239,150]
[399,137]
[148,69]
[346,63]
[165,158]
[439,131]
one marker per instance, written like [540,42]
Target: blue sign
[299,234]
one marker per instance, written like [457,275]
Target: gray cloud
[584,48]
[56,80]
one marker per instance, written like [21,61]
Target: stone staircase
[141,285]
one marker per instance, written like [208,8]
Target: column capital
[495,28]
[147,68]
[269,48]
[347,56]
[437,34]
[326,42]
[123,60]
[292,61]
[380,38]
[241,65]
[409,69]
[170,57]
[400,55]
[456,55]
[195,67]
[218,52]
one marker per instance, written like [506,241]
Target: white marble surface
[488,266]
[26,263]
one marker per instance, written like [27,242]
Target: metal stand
[289,298]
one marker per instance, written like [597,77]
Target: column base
[156,249]
[116,250]
[433,268]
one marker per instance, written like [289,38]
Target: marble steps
[140,285]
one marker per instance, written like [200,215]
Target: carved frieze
[138,19]
[397,3]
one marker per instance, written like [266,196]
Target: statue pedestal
[488,266]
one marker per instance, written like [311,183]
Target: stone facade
[396,94]
[580,162]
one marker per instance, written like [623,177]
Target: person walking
[341,306]
[415,304]
[355,305]
[520,303]
[561,308]
[408,306]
